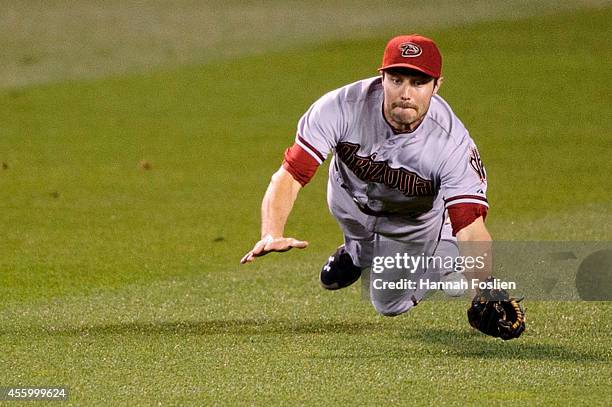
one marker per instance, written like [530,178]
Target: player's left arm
[464,187]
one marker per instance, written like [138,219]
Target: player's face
[407,98]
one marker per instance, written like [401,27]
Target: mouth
[404,106]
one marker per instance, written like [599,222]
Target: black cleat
[339,271]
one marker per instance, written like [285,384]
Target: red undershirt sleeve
[463,214]
[300,164]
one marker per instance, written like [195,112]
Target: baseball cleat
[339,271]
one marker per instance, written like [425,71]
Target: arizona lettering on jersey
[369,170]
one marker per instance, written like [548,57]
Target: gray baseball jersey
[380,182]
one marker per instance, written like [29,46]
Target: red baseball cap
[414,52]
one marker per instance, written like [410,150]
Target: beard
[404,115]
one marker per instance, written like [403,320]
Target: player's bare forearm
[275,209]
[278,203]
[475,241]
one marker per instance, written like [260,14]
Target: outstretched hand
[272,244]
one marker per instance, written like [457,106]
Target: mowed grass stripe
[56,41]
[297,352]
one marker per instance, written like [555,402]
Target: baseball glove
[494,313]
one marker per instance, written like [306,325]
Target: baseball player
[404,169]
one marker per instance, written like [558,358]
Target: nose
[406,92]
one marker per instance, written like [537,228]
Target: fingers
[268,245]
[247,258]
[284,244]
[260,247]
[299,244]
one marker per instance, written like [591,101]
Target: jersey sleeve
[463,176]
[464,185]
[320,128]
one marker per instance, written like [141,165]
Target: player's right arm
[317,134]
[275,209]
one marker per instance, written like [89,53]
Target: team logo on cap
[410,49]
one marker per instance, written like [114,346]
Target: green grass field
[123,283]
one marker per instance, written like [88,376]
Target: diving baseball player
[404,169]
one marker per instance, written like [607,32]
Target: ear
[438,85]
